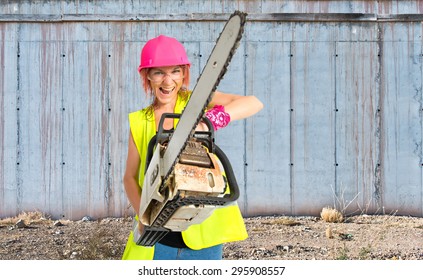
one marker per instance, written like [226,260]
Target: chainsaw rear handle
[230,176]
[163,135]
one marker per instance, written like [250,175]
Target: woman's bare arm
[237,106]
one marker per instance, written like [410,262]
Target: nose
[167,78]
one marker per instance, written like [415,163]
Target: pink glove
[218,117]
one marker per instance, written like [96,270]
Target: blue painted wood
[9,191]
[86,133]
[125,96]
[39,130]
[75,82]
[312,125]
[268,187]
[357,187]
[402,126]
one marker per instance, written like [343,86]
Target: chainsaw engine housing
[201,181]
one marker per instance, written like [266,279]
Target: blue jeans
[163,252]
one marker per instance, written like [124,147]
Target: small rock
[20,224]
[57,224]
[285,248]
[257,250]
[329,233]
[66,253]
[307,229]
[345,236]
[86,219]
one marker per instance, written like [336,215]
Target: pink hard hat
[163,51]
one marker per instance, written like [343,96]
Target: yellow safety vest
[224,224]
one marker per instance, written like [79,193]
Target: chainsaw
[187,175]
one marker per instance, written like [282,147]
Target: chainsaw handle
[162,135]
[230,175]
[166,133]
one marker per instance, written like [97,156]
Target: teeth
[167,91]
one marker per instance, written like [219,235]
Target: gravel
[33,236]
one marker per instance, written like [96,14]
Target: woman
[164,71]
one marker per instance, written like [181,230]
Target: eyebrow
[161,69]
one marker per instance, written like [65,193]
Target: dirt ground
[33,236]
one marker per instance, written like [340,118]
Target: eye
[157,73]
[176,71]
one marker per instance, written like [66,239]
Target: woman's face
[165,83]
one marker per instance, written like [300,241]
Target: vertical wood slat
[85,132]
[8,122]
[39,129]
[268,185]
[125,95]
[357,127]
[402,114]
[313,118]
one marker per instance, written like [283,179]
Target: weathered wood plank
[124,7]
[75,81]
[86,135]
[312,125]
[8,123]
[267,150]
[126,95]
[402,126]
[210,17]
[357,125]
[40,127]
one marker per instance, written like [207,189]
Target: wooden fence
[341,82]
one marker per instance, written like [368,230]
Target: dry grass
[27,217]
[331,215]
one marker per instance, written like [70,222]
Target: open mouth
[167,90]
